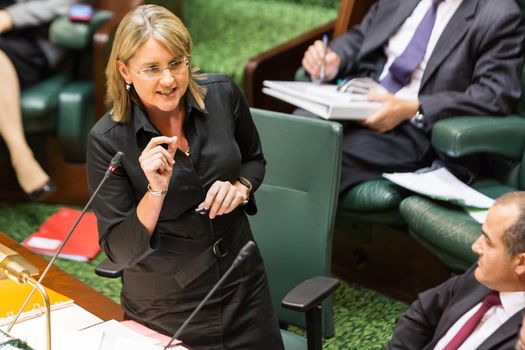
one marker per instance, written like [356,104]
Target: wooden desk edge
[60,281]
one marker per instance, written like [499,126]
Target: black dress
[162,282]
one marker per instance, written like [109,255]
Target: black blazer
[475,68]
[436,310]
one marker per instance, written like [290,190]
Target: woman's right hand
[157,163]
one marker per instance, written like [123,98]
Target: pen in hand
[323,60]
[201,210]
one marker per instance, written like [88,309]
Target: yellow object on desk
[13,295]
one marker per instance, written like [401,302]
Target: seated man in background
[480,309]
[437,59]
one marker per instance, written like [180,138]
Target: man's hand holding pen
[317,54]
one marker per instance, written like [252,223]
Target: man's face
[495,269]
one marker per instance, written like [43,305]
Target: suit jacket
[475,67]
[436,310]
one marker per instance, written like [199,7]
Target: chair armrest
[108,269]
[310,293]
[461,136]
[77,35]
[278,63]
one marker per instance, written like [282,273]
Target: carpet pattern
[364,319]
[226,37]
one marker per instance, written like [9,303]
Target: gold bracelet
[156,192]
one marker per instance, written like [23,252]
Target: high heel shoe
[43,192]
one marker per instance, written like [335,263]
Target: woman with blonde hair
[173,216]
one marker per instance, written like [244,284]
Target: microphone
[113,165]
[245,251]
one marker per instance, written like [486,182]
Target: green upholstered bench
[226,34]
[447,230]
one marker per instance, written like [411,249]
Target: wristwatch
[418,120]
[244,181]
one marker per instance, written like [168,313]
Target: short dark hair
[514,236]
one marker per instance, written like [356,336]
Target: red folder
[82,245]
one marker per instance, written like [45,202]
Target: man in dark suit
[493,291]
[466,61]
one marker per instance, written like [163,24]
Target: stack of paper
[322,100]
[442,185]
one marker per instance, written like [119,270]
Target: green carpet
[364,319]
[225,37]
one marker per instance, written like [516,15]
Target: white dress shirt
[398,42]
[496,316]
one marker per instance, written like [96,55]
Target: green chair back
[296,203]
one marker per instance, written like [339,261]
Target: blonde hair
[140,24]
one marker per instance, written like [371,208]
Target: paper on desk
[114,335]
[477,214]
[442,185]
[64,321]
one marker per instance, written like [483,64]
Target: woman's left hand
[223,197]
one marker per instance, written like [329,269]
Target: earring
[128,87]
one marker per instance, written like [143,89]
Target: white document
[65,322]
[322,100]
[442,185]
[72,327]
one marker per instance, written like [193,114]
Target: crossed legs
[29,173]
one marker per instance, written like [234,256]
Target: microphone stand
[112,167]
[244,252]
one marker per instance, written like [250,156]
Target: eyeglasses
[174,67]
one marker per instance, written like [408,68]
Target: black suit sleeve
[121,234]
[247,137]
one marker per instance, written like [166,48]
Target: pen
[201,211]
[323,61]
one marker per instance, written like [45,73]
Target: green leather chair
[62,103]
[296,203]
[447,230]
